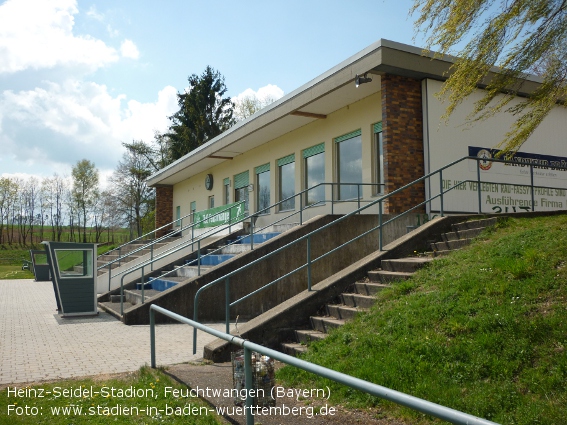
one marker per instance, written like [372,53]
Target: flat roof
[325,94]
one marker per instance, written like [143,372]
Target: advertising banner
[219,216]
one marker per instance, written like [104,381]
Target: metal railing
[303,195]
[146,235]
[415,403]
[379,228]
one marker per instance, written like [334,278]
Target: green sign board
[219,216]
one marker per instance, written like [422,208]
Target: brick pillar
[402,136]
[164,208]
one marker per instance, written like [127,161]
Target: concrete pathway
[38,345]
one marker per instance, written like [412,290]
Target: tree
[249,104]
[85,191]
[203,113]
[522,36]
[132,195]
[156,153]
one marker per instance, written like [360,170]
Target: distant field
[117,237]
[11,261]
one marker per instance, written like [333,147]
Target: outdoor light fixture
[362,79]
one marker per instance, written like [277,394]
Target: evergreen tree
[203,113]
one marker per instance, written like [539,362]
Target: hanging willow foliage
[519,37]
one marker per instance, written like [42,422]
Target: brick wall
[402,133]
[164,208]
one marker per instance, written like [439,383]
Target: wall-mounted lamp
[362,79]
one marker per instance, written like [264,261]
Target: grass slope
[482,331]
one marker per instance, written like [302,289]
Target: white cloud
[93,13]
[58,124]
[266,94]
[129,50]
[39,34]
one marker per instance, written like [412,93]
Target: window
[378,159]
[241,182]
[263,188]
[349,165]
[226,188]
[314,158]
[212,201]
[286,176]
[177,216]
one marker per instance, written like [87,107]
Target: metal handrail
[403,399]
[292,213]
[250,216]
[149,233]
[307,237]
[151,245]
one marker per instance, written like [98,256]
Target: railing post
[380,224]
[249,385]
[332,199]
[309,263]
[109,275]
[532,183]
[119,255]
[192,235]
[301,209]
[358,196]
[152,257]
[199,257]
[227,303]
[143,285]
[152,338]
[478,186]
[441,190]
[251,232]
[230,220]
[122,295]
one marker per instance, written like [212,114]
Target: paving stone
[36,344]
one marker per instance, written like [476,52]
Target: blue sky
[78,78]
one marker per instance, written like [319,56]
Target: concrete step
[450,245]
[325,324]
[368,288]
[293,348]
[443,253]
[474,224]
[358,300]
[306,336]
[340,311]
[462,234]
[407,265]
[383,276]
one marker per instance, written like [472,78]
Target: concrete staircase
[127,254]
[362,293]
[172,275]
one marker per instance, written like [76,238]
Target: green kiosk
[73,274]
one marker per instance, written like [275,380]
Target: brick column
[402,136]
[164,208]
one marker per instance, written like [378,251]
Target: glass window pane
[263,192]
[314,175]
[74,262]
[287,186]
[226,194]
[242,195]
[350,167]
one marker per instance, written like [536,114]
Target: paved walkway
[37,345]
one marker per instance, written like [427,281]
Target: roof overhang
[329,92]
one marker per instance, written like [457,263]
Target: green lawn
[106,401]
[483,331]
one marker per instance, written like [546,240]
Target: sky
[79,78]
